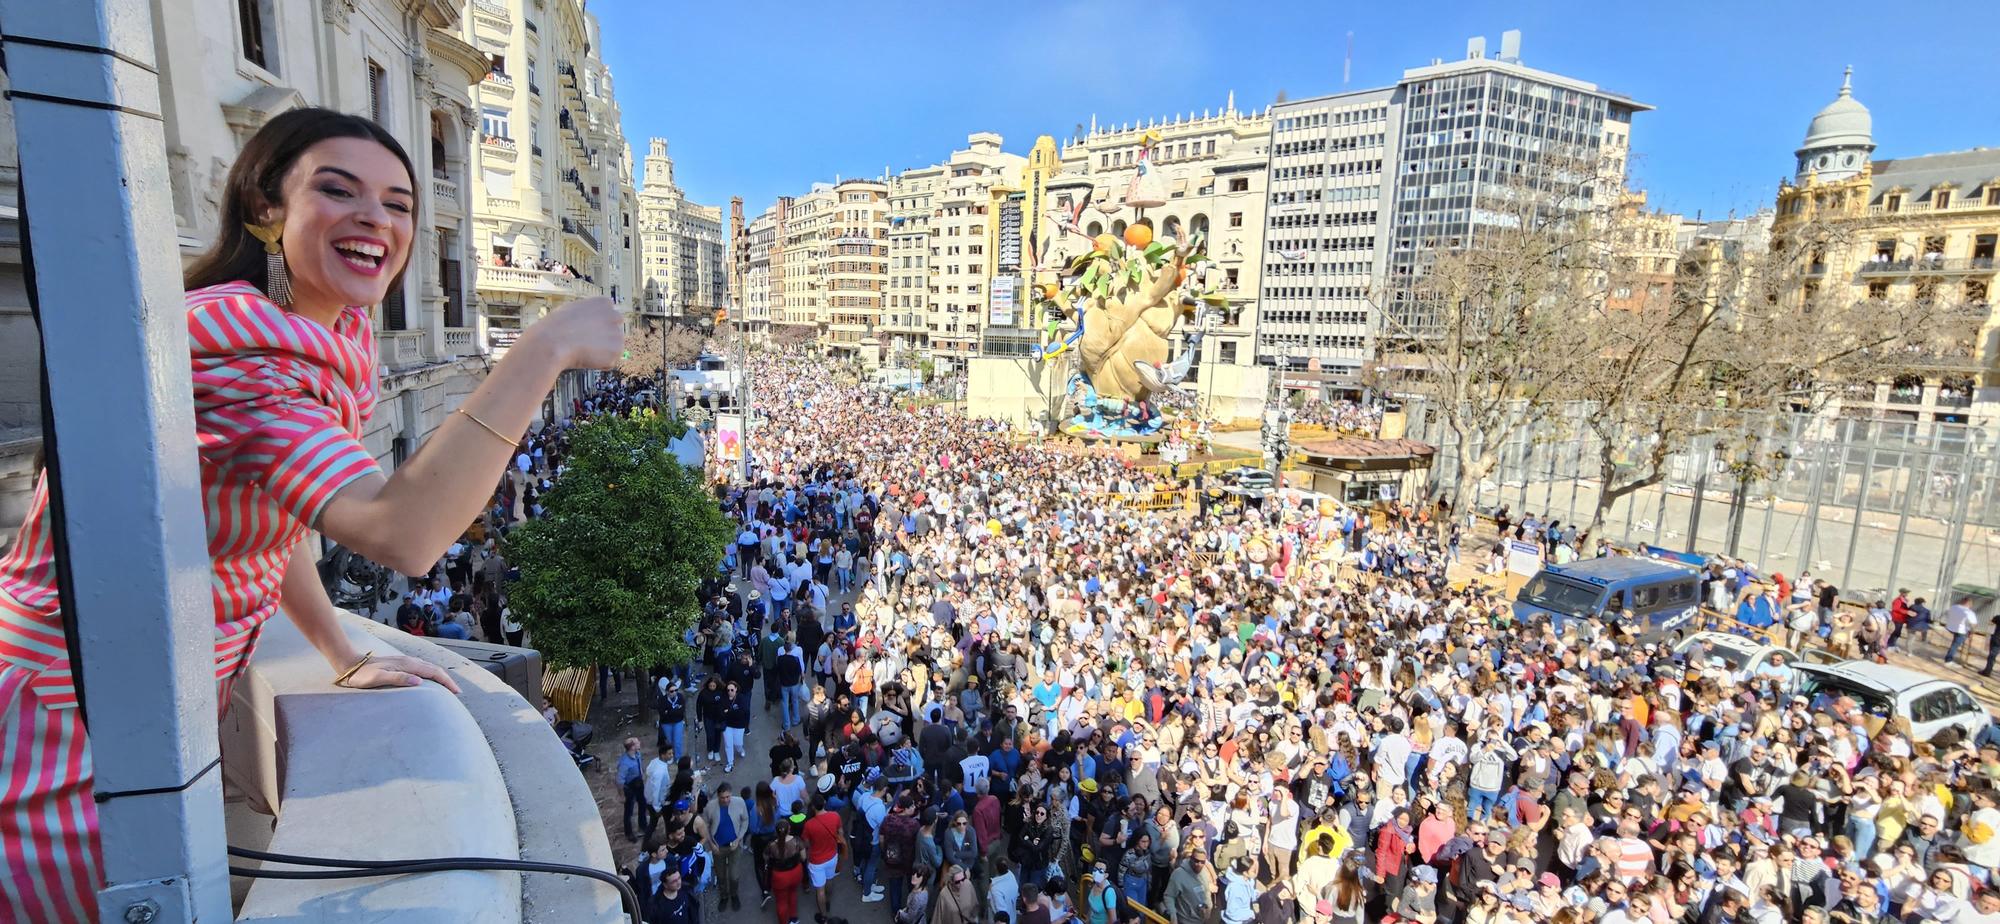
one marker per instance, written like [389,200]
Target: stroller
[576,737]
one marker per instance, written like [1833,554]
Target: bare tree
[1490,329]
[1737,339]
[654,346]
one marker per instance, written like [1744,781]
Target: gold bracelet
[489,428]
[341,680]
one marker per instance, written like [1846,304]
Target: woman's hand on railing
[399,671]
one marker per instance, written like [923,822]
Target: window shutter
[250,18]
[392,311]
[375,79]
[454,295]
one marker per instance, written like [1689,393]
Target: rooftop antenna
[1347,64]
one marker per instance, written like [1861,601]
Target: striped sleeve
[303,457]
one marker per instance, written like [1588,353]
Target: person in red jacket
[1899,613]
[1393,845]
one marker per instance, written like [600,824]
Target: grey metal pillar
[1911,487]
[1860,510]
[1971,468]
[1700,495]
[106,276]
[1575,474]
[1820,462]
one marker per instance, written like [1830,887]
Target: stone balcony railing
[317,770]
[401,349]
[534,282]
[444,193]
[458,341]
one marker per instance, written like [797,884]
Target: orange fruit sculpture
[1139,236]
[1106,243]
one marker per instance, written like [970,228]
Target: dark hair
[254,184]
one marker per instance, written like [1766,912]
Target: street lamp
[743,411]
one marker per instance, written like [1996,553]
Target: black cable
[364,869]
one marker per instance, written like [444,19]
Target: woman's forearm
[407,520]
[304,601]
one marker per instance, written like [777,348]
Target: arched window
[1148,222]
[1096,228]
[1118,228]
[1198,224]
[1172,228]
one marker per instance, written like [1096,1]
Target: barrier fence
[1873,505]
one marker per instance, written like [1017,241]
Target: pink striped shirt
[279,405]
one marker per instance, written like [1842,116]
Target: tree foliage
[609,575]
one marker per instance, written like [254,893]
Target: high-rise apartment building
[683,269]
[1322,249]
[855,263]
[801,284]
[587,93]
[962,244]
[1474,134]
[906,304]
[759,293]
[1368,187]
[826,258]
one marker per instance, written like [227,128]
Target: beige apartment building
[856,259]
[1921,227]
[684,271]
[799,261]
[550,167]
[906,304]
[1214,165]
[963,244]
[758,294]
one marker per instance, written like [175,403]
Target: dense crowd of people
[1352,417]
[1040,704]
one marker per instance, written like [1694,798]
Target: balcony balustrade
[467,775]
[533,282]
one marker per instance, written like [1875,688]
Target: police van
[1663,597]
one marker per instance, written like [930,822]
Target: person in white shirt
[1959,620]
[659,779]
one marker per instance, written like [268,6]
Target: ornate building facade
[1921,227]
[684,270]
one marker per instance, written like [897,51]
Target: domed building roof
[1843,123]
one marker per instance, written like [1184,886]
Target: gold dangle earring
[277,280]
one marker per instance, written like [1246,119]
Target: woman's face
[348,220]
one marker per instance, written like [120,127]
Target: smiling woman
[317,228]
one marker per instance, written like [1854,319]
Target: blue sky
[760,99]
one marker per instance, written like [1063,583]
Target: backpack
[904,765]
[857,825]
[899,843]
[697,871]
